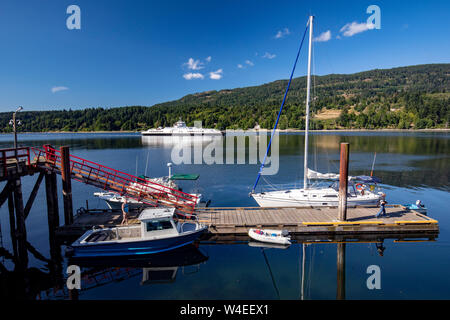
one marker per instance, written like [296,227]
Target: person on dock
[125,209]
[382,211]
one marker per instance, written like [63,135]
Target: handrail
[16,154]
[120,172]
[111,179]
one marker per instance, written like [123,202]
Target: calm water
[411,165]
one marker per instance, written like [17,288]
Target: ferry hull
[163,134]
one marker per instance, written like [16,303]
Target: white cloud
[282,33]
[208,59]
[216,75]
[240,66]
[269,55]
[353,28]
[194,64]
[249,63]
[190,76]
[57,89]
[323,37]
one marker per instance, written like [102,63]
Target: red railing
[23,154]
[106,178]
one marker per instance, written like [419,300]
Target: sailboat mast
[308,89]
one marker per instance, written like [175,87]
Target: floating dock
[231,221]
[225,222]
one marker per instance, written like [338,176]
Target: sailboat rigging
[364,193]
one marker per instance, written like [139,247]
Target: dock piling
[340,261]
[52,200]
[66,185]
[21,231]
[343,181]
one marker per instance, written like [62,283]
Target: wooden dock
[298,221]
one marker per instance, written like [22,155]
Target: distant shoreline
[253,130]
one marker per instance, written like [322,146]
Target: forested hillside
[407,97]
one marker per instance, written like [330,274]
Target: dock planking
[320,220]
[306,221]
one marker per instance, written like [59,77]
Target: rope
[279,112]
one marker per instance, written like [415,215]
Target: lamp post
[14,124]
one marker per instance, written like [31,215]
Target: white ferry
[180,129]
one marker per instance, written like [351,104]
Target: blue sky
[146,52]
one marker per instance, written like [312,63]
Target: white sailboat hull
[312,198]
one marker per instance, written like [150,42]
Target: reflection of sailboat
[314,195]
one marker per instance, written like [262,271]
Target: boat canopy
[181,176]
[317,175]
[335,176]
[156,213]
[367,179]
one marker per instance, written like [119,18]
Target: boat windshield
[350,187]
[159,225]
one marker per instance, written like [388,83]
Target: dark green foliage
[406,97]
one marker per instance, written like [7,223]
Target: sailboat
[362,190]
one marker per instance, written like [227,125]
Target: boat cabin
[158,222]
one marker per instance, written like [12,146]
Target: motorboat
[271,236]
[157,232]
[166,184]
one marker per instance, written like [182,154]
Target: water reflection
[156,268]
[171,141]
[411,165]
[48,282]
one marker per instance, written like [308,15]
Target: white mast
[308,88]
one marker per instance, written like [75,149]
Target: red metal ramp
[110,179]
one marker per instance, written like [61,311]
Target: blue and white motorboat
[157,232]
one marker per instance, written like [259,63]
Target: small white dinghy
[271,236]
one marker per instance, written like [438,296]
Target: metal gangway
[100,176]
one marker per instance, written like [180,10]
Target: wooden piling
[52,201]
[21,232]
[343,181]
[340,263]
[12,222]
[67,185]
